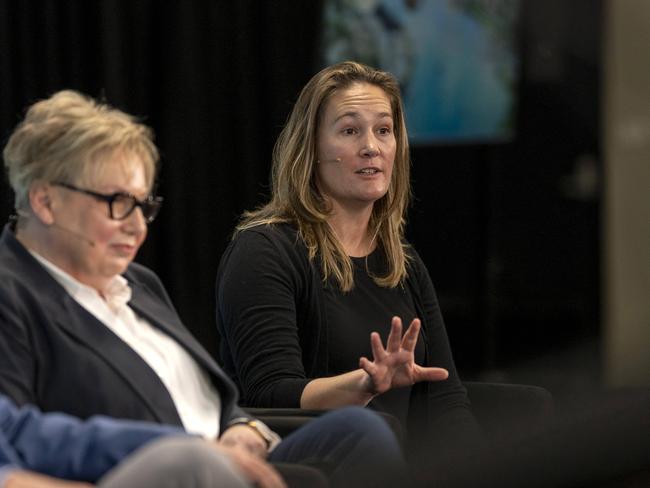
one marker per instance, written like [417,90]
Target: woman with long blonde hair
[324,266]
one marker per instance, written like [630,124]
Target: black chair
[497,406]
[599,440]
[505,410]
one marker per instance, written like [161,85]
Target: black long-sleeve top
[274,316]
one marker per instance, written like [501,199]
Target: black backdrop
[513,253]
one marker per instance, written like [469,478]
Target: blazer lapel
[160,315]
[124,361]
[77,322]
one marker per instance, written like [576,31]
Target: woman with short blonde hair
[62,138]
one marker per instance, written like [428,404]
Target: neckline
[361,260]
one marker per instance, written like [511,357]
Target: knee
[360,418]
[187,452]
[177,451]
[367,424]
[189,458]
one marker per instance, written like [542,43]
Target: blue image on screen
[455,60]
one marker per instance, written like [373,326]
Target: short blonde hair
[63,137]
[296,198]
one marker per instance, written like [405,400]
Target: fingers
[430,374]
[410,338]
[265,476]
[395,340]
[368,366]
[395,337]
[369,384]
[256,470]
[378,351]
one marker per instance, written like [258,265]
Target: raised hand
[394,366]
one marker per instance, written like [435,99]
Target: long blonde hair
[296,199]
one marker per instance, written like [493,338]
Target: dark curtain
[513,254]
[214,79]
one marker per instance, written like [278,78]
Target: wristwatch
[271,438]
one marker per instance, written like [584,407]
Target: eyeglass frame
[152,202]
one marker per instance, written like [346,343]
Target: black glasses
[120,204]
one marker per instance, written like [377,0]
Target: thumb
[430,374]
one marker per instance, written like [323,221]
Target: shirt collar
[116,294]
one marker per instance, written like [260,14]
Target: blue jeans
[353,446]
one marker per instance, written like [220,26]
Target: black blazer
[58,356]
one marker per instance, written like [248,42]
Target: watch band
[271,438]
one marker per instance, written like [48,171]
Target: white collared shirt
[196,399]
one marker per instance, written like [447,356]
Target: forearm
[30,479]
[353,388]
[66,447]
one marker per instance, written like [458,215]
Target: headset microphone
[90,242]
[73,233]
[335,160]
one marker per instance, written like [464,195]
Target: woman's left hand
[394,366]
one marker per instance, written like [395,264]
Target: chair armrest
[498,407]
[286,420]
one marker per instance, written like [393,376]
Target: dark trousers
[353,446]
